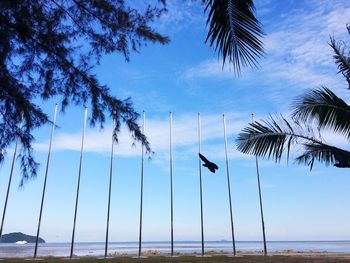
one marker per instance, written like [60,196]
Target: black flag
[211,166]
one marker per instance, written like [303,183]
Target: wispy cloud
[297,50]
[185,136]
[210,68]
[181,15]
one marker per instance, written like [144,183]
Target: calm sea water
[97,249]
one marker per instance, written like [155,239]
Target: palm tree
[313,113]
[234,32]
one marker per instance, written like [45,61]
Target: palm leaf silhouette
[274,136]
[342,56]
[324,107]
[324,153]
[234,31]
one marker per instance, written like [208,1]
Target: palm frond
[341,57]
[268,139]
[324,153]
[326,108]
[272,137]
[234,31]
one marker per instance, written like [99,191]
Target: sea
[90,249]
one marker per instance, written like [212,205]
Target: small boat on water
[21,242]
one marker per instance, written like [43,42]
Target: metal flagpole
[261,206]
[9,183]
[171,185]
[229,187]
[110,189]
[78,185]
[141,199]
[45,180]
[200,179]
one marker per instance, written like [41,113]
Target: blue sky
[186,77]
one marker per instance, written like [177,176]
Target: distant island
[18,236]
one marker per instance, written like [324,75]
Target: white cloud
[185,136]
[210,68]
[184,139]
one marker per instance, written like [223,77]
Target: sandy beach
[211,256]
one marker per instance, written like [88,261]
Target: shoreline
[289,257]
[210,253]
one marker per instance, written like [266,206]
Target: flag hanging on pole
[212,167]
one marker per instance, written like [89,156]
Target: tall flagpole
[200,180]
[78,185]
[260,199]
[171,185]
[45,180]
[9,183]
[229,187]
[110,188]
[141,199]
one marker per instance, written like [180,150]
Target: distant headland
[18,236]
